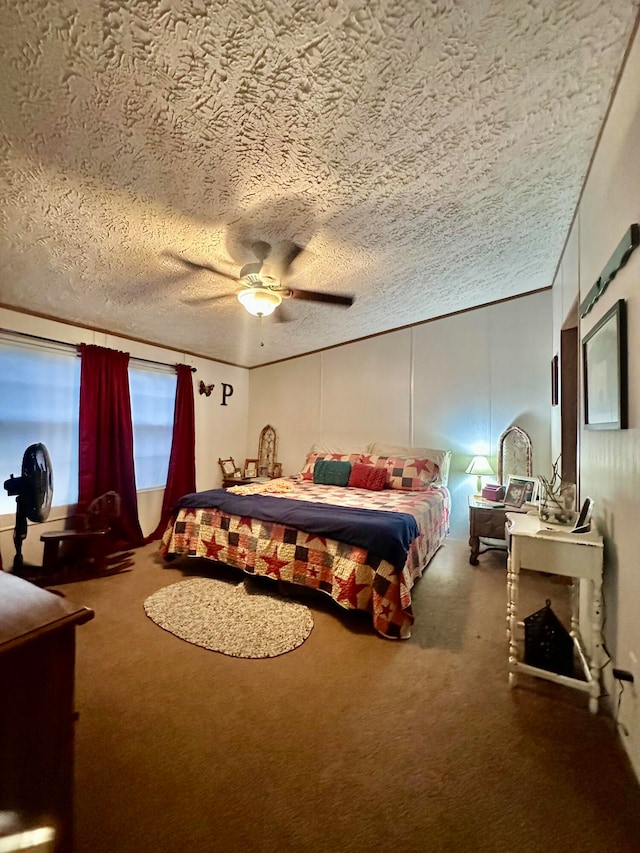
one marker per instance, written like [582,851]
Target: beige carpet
[351,743]
[239,620]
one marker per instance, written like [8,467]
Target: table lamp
[479,466]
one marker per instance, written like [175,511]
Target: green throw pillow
[331,473]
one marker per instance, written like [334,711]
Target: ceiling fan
[263,292]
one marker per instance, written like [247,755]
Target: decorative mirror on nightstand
[267,451]
[515,457]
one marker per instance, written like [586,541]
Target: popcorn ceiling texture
[427,154]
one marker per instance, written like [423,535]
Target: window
[39,402]
[153,395]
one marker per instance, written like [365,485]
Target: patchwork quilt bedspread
[356,577]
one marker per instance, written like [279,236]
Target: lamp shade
[259,301]
[479,466]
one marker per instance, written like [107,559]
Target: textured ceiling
[428,154]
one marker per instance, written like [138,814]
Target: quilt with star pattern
[354,577]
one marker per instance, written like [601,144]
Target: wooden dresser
[37,661]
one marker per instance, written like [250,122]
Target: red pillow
[367,477]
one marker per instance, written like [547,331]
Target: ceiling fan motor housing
[13,485]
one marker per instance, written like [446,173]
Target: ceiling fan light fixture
[259,301]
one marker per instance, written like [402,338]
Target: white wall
[610,460]
[454,383]
[221,431]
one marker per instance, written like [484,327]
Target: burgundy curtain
[181,477]
[106,438]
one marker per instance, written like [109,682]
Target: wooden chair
[87,539]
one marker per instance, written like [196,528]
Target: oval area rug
[236,620]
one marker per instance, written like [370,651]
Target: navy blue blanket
[386,534]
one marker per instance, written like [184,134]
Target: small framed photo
[228,467]
[250,468]
[521,490]
[277,469]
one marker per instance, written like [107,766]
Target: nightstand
[486,521]
[236,481]
[227,482]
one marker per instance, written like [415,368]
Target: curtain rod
[74,346]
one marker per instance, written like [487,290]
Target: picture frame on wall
[554,381]
[604,364]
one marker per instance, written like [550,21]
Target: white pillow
[324,447]
[442,458]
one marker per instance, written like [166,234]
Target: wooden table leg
[474,542]
[595,664]
[50,555]
[513,579]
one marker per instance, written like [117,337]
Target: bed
[363,547]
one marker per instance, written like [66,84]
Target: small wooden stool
[91,544]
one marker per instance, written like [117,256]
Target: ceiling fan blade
[289,257]
[197,267]
[204,300]
[280,315]
[327,298]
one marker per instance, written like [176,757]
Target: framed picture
[529,484]
[250,468]
[521,489]
[228,467]
[277,469]
[554,381]
[604,363]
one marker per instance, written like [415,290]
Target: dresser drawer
[487,522]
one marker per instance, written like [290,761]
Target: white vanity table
[551,548]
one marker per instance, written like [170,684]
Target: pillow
[307,469]
[442,458]
[367,477]
[327,448]
[331,473]
[410,473]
